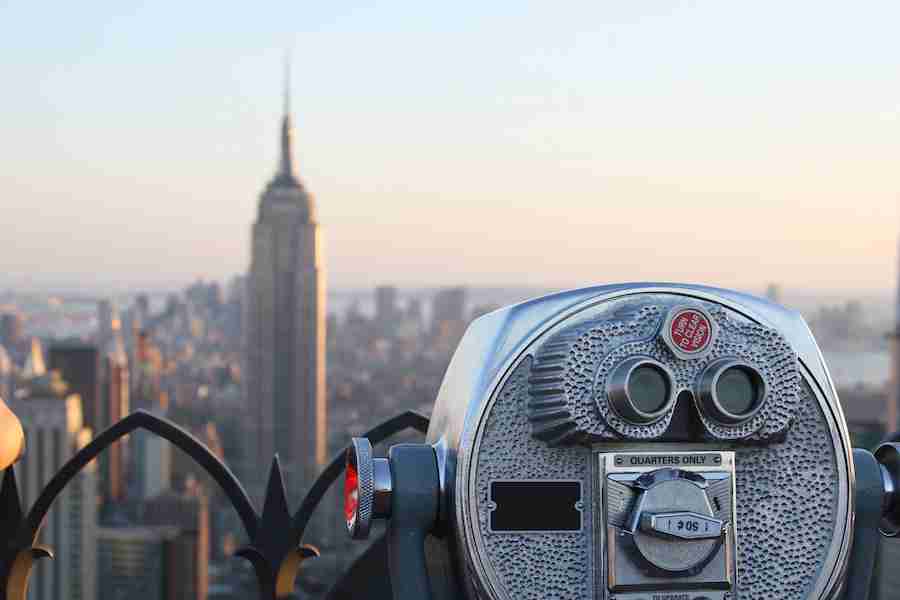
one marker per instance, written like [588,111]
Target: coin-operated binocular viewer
[631,442]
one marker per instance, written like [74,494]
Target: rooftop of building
[285,195]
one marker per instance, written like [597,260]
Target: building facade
[79,365]
[187,551]
[132,562]
[284,340]
[151,464]
[115,405]
[52,420]
[12,330]
[7,375]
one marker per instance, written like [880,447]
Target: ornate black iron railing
[275,535]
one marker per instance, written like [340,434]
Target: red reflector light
[351,493]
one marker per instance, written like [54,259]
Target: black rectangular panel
[535,506]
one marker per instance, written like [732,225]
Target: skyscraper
[6,375]
[284,343]
[187,552]
[151,459]
[114,406]
[131,562]
[52,421]
[12,330]
[79,365]
[448,317]
[386,303]
[106,315]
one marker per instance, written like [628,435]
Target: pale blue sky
[504,142]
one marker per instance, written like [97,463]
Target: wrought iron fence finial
[275,551]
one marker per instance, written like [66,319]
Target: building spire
[287,82]
[286,168]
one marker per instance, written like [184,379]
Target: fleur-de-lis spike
[275,550]
[275,514]
[19,556]
[20,571]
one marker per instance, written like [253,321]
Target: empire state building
[284,344]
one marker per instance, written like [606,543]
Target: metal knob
[673,525]
[888,457]
[367,488]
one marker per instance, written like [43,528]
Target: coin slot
[535,506]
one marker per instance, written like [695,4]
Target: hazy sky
[489,143]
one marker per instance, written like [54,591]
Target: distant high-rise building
[414,309]
[6,375]
[34,361]
[114,406]
[187,552]
[146,385]
[449,305]
[12,329]
[386,303]
[207,296]
[284,342]
[52,420]
[79,365]
[142,309]
[237,288]
[186,473]
[106,321]
[773,293]
[448,317]
[151,464]
[132,562]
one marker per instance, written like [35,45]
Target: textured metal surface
[572,368]
[787,500]
[786,506]
[532,565]
[495,345]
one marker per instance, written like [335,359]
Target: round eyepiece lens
[648,388]
[738,390]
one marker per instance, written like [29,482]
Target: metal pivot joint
[888,457]
[404,489]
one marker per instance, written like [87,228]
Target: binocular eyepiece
[628,442]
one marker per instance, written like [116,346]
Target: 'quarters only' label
[668,460]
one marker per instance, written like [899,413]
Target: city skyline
[574,152]
[173,202]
